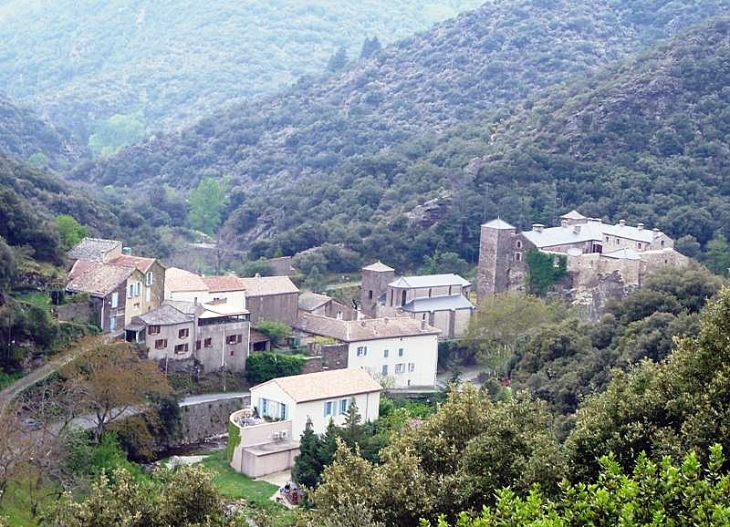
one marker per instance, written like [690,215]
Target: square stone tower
[495,249]
[375,280]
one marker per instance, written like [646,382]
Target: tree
[7,266]
[443,263]
[717,256]
[260,267]
[113,379]
[654,493]
[314,280]
[70,230]
[262,367]
[206,203]
[185,498]
[370,48]
[352,432]
[502,321]
[338,60]
[669,408]
[307,466]
[116,132]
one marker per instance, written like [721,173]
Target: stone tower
[375,280]
[495,250]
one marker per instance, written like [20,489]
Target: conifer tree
[307,466]
[352,432]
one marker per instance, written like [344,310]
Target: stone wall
[205,420]
[81,312]
[325,357]
[281,308]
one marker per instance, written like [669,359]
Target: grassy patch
[16,505]
[36,298]
[257,493]
[6,379]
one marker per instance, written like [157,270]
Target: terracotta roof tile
[93,249]
[268,285]
[101,280]
[178,280]
[325,385]
[138,262]
[217,284]
[362,330]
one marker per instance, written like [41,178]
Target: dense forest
[348,160]
[25,136]
[82,63]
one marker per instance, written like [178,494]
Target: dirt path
[37,375]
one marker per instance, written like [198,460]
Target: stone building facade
[183,335]
[606,257]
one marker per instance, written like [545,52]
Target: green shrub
[262,367]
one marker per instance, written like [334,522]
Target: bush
[276,331]
[262,367]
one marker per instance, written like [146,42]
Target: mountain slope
[647,141]
[85,61]
[23,135]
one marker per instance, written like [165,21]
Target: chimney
[576,229]
[640,226]
[621,223]
[564,223]
[257,275]
[538,227]
[127,251]
[656,230]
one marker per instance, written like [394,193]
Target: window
[181,348]
[130,292]
[662,243]
[264,407]
[386,353]
[518,257]
[384,370]
[148,294]
[160,344]
[519,244]
[430,292]
[607,239]
[615,241]
[339,315]
[234,339]
[115,300]
[153,330]
[232,352]
[400,368]
[148,278]
[370,294]
[136,305]
[282,410]
[197,345]
[183,333]
[328,408]
[113,324]
[362,351]
[208,342]
[638,245]
[400,352]
[343,406]
[137,288]
[411,367]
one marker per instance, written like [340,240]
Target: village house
[441,300]
[268,433]
[189,287]
[601,258]
[326,306]
[121,286]
[271,298]
[182,335]
[401,350]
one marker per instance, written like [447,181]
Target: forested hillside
[369,145]
[82,62]
[27,137]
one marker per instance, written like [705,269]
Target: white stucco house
[268,432]
[401,349]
